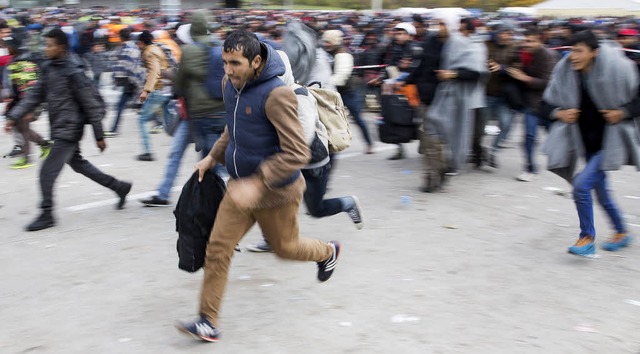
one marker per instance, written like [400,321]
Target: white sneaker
[527,177]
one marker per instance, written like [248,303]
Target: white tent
[527,11]
[588,8]
[446,10]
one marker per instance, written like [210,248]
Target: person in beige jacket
[153,95]
[263,148]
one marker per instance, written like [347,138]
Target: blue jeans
[353,102]
[498,109]
[532,122]
[206,131]
[179,144]
[155,101]
[127,95]
[317,206]
[592,177]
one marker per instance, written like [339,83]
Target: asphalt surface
[478,268]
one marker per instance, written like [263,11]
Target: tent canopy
[588,8]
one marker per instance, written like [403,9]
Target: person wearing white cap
[341,78]
[404,54]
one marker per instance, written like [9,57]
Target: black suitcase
[397,125]
[396,110]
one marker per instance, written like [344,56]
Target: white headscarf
[451,19]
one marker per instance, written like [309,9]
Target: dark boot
[44,221]
[122,192]
[399,155]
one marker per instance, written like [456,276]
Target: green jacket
[190,80]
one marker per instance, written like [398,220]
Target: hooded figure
[194,70]
[461,90]
[300,44]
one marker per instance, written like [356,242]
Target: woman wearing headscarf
[461,90]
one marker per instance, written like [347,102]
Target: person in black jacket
[72,103]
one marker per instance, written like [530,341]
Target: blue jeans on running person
[206,131]
[593,178]
[498,109]
[127,95]
[155,101]
[353,102]
[316,180]
[532,122]
[179,144]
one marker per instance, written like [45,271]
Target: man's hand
[404,63]
[518,74]
[493,66]
[612,116]
[143,96]
[102,145]
[568,116]
[247,192]
[375,82]
[8,125]
[445,75]
[203,166]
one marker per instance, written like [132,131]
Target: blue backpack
[213,82]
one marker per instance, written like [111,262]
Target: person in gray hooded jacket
[72,103]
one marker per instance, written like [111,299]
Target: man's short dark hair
[146,37]
[125,34]
[58,36]
[586,37]
[4,24]
[245,41]
[468,24]
[533,32]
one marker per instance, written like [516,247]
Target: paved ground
[479,268]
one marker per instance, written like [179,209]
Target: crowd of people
[576,79]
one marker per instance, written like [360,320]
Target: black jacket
[71,99]
[424,76]
[195,214]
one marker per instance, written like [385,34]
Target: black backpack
[195,214]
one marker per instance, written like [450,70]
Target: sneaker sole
[592,252]
[258,250]
[611,247]
[151,205]
[21,167]
[183,330]
[359,225]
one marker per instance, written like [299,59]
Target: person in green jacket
[205,115]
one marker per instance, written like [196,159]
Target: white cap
[407,27]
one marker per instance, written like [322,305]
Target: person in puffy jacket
[72,103]
[263,147]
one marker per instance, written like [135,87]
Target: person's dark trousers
[127,95]
[353,102]
[69,152]
[316,179]
[532,121]
[478,133]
